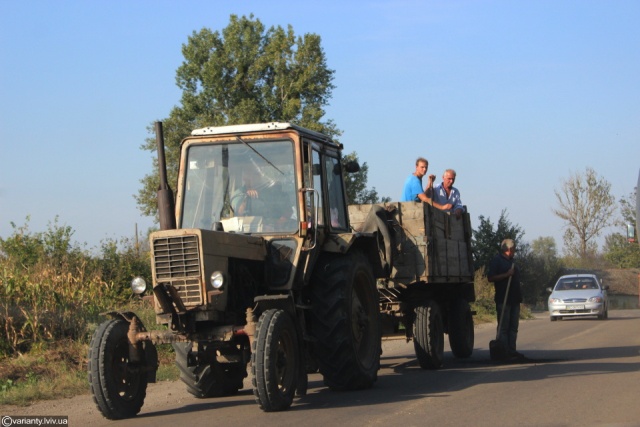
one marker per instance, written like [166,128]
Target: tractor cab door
[335,191]
[324,193]
[313,193]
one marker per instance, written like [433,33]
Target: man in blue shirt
[413,191]
[446,194]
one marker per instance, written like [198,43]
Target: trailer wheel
[346,322]
[461,333]
[428,336]
[210,378]
[275,361]
[118,386]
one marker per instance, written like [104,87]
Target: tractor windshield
[246,186]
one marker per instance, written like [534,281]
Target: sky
[516,96]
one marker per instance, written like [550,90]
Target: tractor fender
[376,241]
[150,351]
[280,301]
[367,244]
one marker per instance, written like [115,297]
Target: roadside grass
[59,369]
[486,312]
[48,371]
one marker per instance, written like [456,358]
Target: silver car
[578,295]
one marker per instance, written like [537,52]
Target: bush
[53,290]
[485,306]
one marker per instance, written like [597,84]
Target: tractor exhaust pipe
[166,204]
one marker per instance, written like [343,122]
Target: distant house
[624,285]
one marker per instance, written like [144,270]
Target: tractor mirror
[351,166]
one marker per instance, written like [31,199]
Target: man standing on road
[501,269]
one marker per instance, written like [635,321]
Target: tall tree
[586,205]
[356,183]
[243,74]
[620,253]
[544,249]
[542,266]
[486,241]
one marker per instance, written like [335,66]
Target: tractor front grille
[177,262]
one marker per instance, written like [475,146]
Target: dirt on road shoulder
[81,410]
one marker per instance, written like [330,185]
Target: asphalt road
[577,373]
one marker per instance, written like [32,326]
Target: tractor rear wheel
[346,321]
[209,378]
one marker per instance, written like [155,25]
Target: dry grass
[47,372]
[58,369]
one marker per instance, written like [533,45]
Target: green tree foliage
[243,74]
[122,260]
[543,266]
[25,249]
[628,209]
[586,205]
[486,241]
[538,262]
[628,212]
[356,184]
[618,251]
[545,253]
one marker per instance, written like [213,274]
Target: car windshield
[247,186]
[576,283]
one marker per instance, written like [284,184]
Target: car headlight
[555,300]
[138,285]
[595,299]
[217,279]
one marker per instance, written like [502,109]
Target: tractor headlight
[217,279]
[138,285]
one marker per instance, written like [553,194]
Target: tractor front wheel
[275,361]
[118,386]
